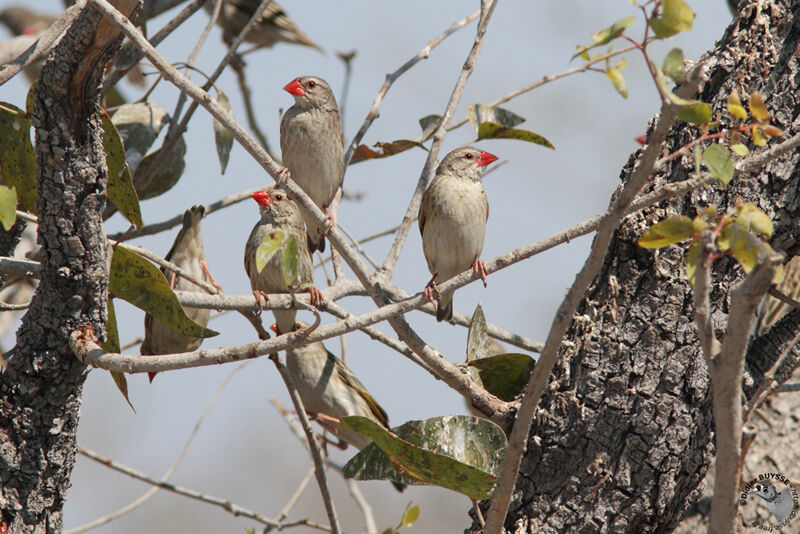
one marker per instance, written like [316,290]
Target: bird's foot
[331,221]
[430,290]
[283,177]
[259,295]
[480,270]
[204,266]
[316,297]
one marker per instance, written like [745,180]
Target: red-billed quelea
[279,214]
[273,27]
[186,253]
[452,221]
[312,145]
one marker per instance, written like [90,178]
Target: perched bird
[330,391]
[452,221]
[187,253]
[279,214]
[312,145]
[273,27]
[780,504]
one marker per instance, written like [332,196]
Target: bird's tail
[444,312]
[284,320]
[315,243]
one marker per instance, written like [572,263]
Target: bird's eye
[468,155]
[278,197]
[312,84]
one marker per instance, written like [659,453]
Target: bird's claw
[432,289]
[259,295]
[480,271]
[283,177]
[331,222]
[316,297]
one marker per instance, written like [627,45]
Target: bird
[773,310]
[780,504]
[273,27]
[312,147]
[452,222]
[187,253]
[329,390]
[279,213]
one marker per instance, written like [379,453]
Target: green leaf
[667,232]
[477,342]
[410,516]
[111,344]
[696,112]
[492,130]
[289,260]
[29,98]
[480,113]
[458,452]
[167,174]
[740,149]
[745,246]
[138,125]
[222,137]
[676,16]
[17,160]
[429,123]
[757,107]
[698,158]
[120,185]
[136,280]
[749,216]
[758,137]
[720,162]
[691,262]
[504,375]
[735,106]
[8,206]
[615,75]
[673,65]
[363,152]
[607,35]
[268,247]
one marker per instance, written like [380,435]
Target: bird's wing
[349,378]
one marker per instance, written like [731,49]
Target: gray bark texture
[624,435]
[40,392]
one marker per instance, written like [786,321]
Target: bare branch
[392,77]
[225,504]
[726,372]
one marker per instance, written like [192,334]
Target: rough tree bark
[40,392]
[624,437]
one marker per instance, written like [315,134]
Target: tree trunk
[40,392]
[624,436]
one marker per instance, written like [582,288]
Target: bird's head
[468,162]
[310,92]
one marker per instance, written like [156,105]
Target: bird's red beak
[485,158]
[262,197]
[274,328]
[295,87]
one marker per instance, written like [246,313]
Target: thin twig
[366,510]
[392,77]
[225,504]
[311,439]
[293,500]
[152,491]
